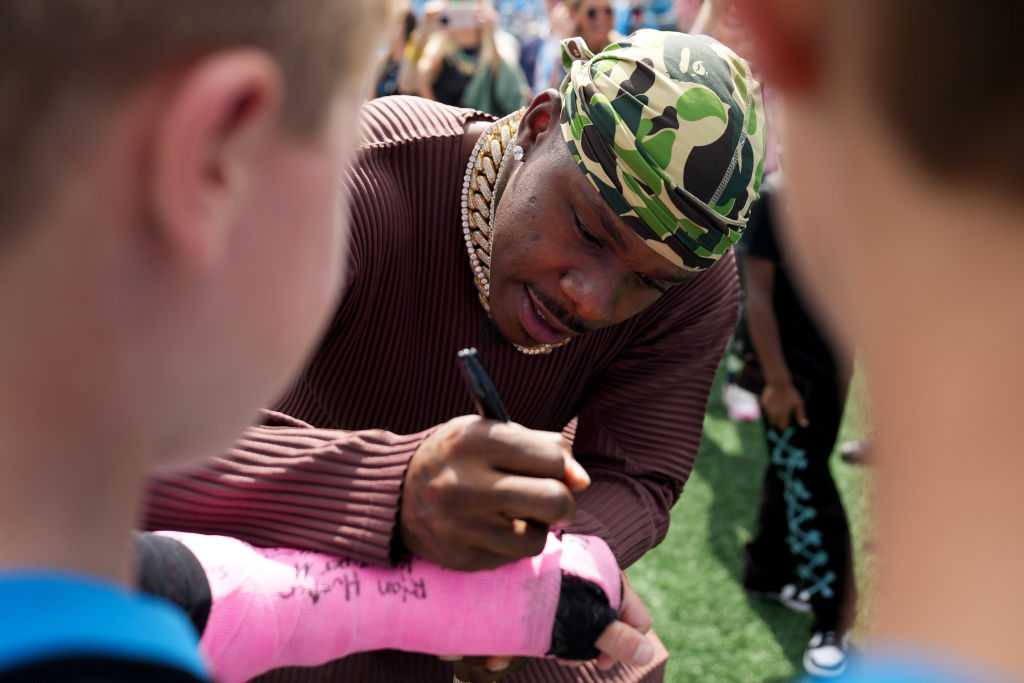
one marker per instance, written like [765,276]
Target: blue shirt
[47,615]
[886,663]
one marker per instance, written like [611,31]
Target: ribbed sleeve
[326,490]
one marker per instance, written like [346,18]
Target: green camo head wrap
[670,129]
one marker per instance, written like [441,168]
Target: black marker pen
[485,394]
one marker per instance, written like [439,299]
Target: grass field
[691,582]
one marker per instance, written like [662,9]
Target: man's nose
[593,291]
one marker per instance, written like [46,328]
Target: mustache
[559,311]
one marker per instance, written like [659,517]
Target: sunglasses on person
[592,12]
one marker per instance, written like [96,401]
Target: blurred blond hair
[64,62]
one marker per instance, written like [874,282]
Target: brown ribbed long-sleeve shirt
[325,471]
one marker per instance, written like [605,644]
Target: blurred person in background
[904,183]
[548,72]
[722,20]
[656,14]
[396,74]
[531,27]
[594,21]
[465,64]
[548,52]
[801,554]
[634,18]
[686,12]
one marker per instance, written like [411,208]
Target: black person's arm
[641,423]
[780,399]
[761,322]
[781,402]
[288,484]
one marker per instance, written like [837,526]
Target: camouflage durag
[670,129]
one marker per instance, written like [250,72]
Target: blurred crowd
[495,55]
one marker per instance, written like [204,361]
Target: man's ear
[540,118]
[788,39]
[218,116]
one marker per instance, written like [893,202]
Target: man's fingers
[474,670]
[605,662]
[569,663]
[479,494]
[542,472]
[527,452]
[494,544]
[801,415]
[620,642]
[545,501]
[504,541]
[498,663]
[576,477]
[633,610]
[474,560]
[483,669]
[624,640]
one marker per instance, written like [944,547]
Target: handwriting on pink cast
[315,579]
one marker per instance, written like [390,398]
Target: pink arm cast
[276,607]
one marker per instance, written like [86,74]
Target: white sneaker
[825,656]
[790,595]
[742,405]
[795,599]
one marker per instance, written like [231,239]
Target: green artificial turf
[691,582]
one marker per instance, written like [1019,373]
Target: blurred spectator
[527,20]
[594,21]
[740,404]
[396,74]
[801,554]
[465,63]
[529,48]
[686,12]
[638,14]
[544,69]
[634,18]
[907,222]
[721,20]
[548,71]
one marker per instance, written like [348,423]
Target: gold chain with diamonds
[486,165]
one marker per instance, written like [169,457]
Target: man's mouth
[538,322]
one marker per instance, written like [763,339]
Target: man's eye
[587,235]
[651,283]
